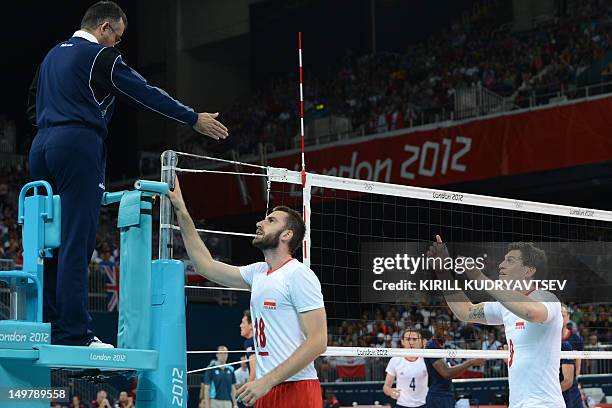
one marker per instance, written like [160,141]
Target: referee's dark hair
[103,11]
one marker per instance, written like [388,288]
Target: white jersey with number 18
[277,298]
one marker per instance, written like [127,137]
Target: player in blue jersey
[246,331]
[441,393]
[568,370]
[569,334]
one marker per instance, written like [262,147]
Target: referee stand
[151,332]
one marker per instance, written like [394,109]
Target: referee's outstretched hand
[209,126]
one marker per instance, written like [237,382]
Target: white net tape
[448,353]
[207,231]
[370,352]
[216,159]
[237,173]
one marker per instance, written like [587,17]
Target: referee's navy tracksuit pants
[72,159]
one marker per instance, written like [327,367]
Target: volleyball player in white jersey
[287,308]
[532,321]
[409,374]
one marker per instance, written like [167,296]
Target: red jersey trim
[280,266]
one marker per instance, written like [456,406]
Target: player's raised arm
[521,305]
[461,306]
[206,265]
[449,373]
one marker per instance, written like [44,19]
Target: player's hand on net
[176,197]
[208,125]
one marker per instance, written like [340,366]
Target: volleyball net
[363,238]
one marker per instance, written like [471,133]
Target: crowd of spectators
[10,232]
[102,400]
[385,91]
[383,327]
[11,180]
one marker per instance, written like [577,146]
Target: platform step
[90,357]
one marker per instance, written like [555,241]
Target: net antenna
[302,108]
[304,179]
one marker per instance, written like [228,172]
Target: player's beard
[267,241]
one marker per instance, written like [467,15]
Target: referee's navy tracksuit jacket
[75,92]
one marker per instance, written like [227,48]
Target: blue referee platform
[151,330]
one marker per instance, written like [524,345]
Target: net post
[169,161]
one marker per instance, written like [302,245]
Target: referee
[71,101]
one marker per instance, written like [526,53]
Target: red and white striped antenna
[302,109]
[305,186]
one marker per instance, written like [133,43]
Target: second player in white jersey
[532,321]
[410,379]
[409,373]
[277,296]
[533,366]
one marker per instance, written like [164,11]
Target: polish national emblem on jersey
[269,304]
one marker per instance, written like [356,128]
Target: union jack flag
[112,285]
